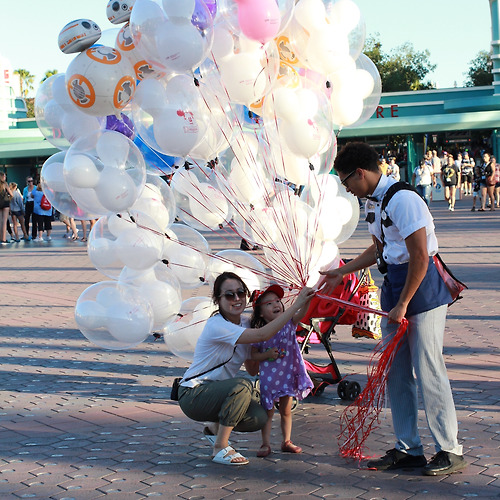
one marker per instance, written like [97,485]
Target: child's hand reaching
[304,296]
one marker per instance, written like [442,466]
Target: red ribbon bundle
[360,417]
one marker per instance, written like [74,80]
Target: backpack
[45,203]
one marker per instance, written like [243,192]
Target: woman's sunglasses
[230,295]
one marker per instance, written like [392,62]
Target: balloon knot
[165,261]
[196,82]
[328,85]
[311,167]
[202,279]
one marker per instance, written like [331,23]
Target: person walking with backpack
[42,210]
[403,245]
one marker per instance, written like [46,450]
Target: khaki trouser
[232,403]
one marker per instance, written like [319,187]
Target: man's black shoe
[444,462]
[395,459]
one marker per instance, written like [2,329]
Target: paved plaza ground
[79,422]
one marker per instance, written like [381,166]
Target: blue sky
[452,30]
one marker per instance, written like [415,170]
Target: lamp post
[495,44]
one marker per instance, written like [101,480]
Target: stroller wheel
[342,389]
[353,390]
[295,403]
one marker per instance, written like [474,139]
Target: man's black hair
[356,155]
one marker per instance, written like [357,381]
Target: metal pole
[495,45]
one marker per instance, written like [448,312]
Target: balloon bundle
[238,101]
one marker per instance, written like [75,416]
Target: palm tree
[49,73]
[26,79]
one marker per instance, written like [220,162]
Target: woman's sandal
[264,451]
[224,457]
[289,447]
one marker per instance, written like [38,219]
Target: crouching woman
[210,391]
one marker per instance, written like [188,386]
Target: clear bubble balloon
[182,334]
[326,35]
[172,35]
[246,266]
[170,116]
[186,252]
[159,286]
[348,209]
[54,188]
[131,239]
[200,202]
[113,315]
[300,121]
[258,20]
[104,172]
[157,200]
[366,84]
[246,70]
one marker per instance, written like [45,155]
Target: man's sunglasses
[346,178]
[230,295]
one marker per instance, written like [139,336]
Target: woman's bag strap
[210,369]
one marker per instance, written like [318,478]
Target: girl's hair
[12,185]
[257,321]
[219,281]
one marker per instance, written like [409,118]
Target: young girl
[283,374]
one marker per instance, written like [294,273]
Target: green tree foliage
[49,73]
[404,68]
[479,73]
[26,79]
[30,105]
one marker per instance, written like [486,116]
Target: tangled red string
[362,416]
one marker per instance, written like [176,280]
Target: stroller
[320,321]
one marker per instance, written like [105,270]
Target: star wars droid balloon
[125,44]
[118,11]
[78,36]
[100,81]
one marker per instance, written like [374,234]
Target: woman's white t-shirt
[216,345]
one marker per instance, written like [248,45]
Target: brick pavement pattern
[80,422]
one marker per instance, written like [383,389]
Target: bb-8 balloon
[100,81]
[78,35]
[125,44]
[118,11]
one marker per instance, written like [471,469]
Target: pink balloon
[259,20]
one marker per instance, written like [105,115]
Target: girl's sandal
[289,447]
[264,451]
